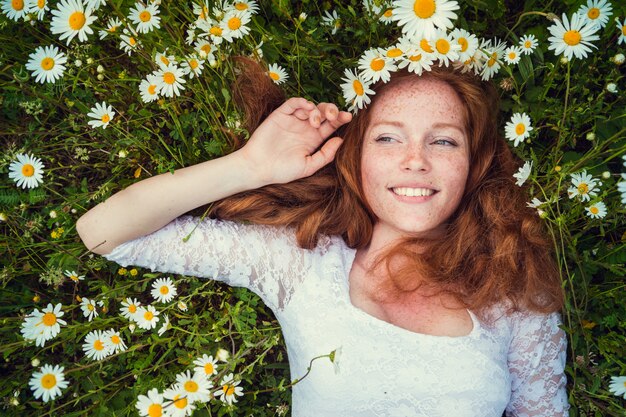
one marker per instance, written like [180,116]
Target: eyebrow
[436,125]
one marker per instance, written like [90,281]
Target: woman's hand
[292,142]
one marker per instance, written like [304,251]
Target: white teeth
[413,192]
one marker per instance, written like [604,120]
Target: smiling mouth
[413,192]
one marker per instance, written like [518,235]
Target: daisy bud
[564,60]
[27,18]
[78,63]
[131,327]
[606,175]
[591,136]
[302,17]
[15,402]
[100,77]
[3,217]
[53,214]
[100,69]
[222,355]
[73,211]
[619,59]
[611,88]
[35,363]
[552,17]
[122,153]
[89,61]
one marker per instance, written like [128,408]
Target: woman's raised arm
[290,144]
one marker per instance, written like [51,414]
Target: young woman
[402,244]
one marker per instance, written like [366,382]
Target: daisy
[618,386]
[192,66]
[73,275]
[145,17]
[467,41]
[15,9]
[375,65]
[196,387]
[150,405]
[147,317]
[234,25]
[230,390]
[622,29]
[597,12]
[583,186]
[178,405]
[356,91]
[182,306]
[596,210]
[27,171]
[421,17]
[246,6]
[129,308]
[536,203]
[201,10]
[528,43]
[48,382]
[89,308]
[163,290]
[277,73]
[371,7]
[446,49]
[387,16]
[518,128]
[129,41]
[522,174]
[46,64]
[492,56]
[621,187]
[417,61]
[94,345]
[39,7]
[332,20]
[112,26]
[572,37]
[113,342]
[213,29]
[101,114]
[165,326]
[205,49]
[148,89]
[170,81]
[206,365]
[44,325]
[512,55]
[71,19]
[163,60]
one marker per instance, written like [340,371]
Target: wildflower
[387,16]
[222,355]
[73,275]
[122,271]
[14,9]
[523,173]
[596,210]
[417,60]
[302,17]
[43,326]
[277,73]
[446,49]
[590,136]
[246,5]
[178,406]
[163,290]
[150,405]
[512,55]
[621,187]
[192,66]
[518,128]
[71,19]
[148,88]
[611,88]
[163,60]
[27,171]
[622,29]
[39,7]
[46,64]
[145,16]
[374,65]
[48,382]
[583,186]
[170,81]
[89,308]
[129,308]
[34,363]
[528,43]
[230,389]
[356,91]
[234,25]
[572,37]
[206,365]
[596,12]
[371,7]
[468,43]
[205,49]
[165,326]
[182,306]
[618,386]
[94,345]
[112,26]
[492,54]
[113,342]
[421,17]
[129,41]
[101,114]
[146,317]
[332,20]
[196,387]
[618,59]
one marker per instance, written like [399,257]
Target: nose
[415,159]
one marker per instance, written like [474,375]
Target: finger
[315,118]
[323,156]
[329,126]
[329,111]
[301,114]
[295,103]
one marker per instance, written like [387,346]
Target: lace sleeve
[537,365]
[264,259]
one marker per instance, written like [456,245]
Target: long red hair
[495,249]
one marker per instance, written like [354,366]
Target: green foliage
[578,125]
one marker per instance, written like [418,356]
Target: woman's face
[415,158]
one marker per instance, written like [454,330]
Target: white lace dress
[515,364]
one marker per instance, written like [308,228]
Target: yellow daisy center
[208,368]
[77,20]
[594,210]
[206,48]
[583,188]
[624,30]
[169,77]
[155,410]
[105,118]
[133,308]
[229,389]
[148,315]
[377,64]
[512,55]
[115,339]
[48,381]
[164,290]
[424,8]
[180,402]
[90,307]
[98,345]
[388,13]
[425,45]
[528,44]
[41,4]
[593,13]
[132,41]
[234,23]
[443,46]
[112,29]
[49,319]
[572,37]
[17,5]
[464,44]
[151,91]
[164,60]
[28,171]
[358,87]
[145,16]
[204,12]
[274,76]
[491,62]
[191,386]
[415,58]
[241,6]
[394,52]
[520,128]
[47,63]
[193,64]
[216,31]
[74,277]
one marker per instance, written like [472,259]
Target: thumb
[323,156]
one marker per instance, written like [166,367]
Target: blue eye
[385,139]
[445,142]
